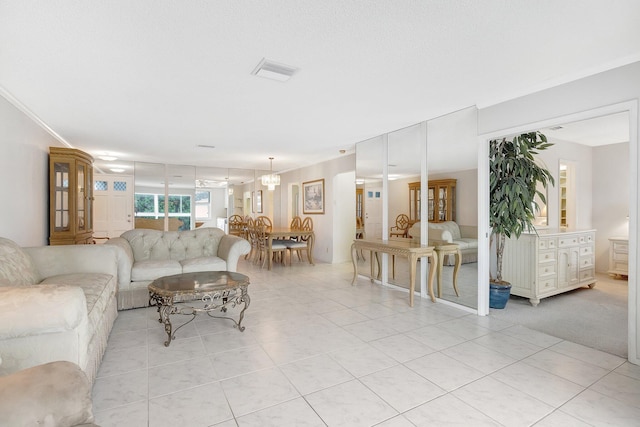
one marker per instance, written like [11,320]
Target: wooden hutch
[441,198]
[70,196]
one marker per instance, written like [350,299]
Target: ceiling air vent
[556,127]
[274,70]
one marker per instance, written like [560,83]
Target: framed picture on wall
[313,197]
[259,201]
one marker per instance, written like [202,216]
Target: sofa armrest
[56,393]
[124,255]
[440,235]
[469,231]
[39,309]
[231,248]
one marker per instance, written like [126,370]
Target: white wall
[323,224]
[582,156]
[610,197]
[344,209]
[24,177]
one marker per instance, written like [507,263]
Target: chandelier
[272,179]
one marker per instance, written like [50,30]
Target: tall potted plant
[514,175]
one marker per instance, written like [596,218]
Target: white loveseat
[146,255]
[56,303]
[450,232]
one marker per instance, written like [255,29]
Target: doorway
[591,203]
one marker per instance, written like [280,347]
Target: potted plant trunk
[514,175]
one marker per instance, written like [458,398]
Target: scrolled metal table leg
[243,298]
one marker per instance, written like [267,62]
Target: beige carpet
[594,317]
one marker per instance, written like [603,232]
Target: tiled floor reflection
[319,352]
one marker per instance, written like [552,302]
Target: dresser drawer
[548,284]
[546,270]
[586,261]
[546,257]
[566,241]
[587,274]
[620,247]
[547,243]
[621,257]
[586,250]
[586,238]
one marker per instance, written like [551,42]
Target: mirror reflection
[369,181]
[451,199]
[190,197]
[404,163]
[452,203]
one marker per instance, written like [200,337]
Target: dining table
[277,233]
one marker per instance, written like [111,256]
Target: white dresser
[552,262]
[619,256]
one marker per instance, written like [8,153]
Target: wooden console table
[443,250]
[401,247]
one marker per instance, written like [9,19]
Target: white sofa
[146,255]
[450,232]
[56,303]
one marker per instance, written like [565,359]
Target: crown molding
[23,108]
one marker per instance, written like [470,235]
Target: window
[203,205]
[152,206]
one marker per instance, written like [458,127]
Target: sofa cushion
[152,269]
[51,308]
[16,267]
[97,287]
[467,243]
[206,263]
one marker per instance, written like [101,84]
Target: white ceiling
[150,80]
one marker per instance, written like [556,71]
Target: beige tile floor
[317,351]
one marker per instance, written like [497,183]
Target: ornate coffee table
[213,290]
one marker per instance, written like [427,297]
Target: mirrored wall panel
[452,203]
[369,161]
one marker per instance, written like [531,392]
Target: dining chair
[277,248]
[250,236]
[296,223]
[236,226]
[401,229]
[303,243]
[266,221]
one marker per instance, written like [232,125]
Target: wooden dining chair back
[266,221]
[250,236]
[296,223]
[278,249]
[304,242]
[237,226]
[401,229]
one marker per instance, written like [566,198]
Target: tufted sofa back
[175,245]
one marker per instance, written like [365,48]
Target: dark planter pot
[499,294]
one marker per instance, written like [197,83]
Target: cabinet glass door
[442,204]
[61,195]
[82,198]
[431,208]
